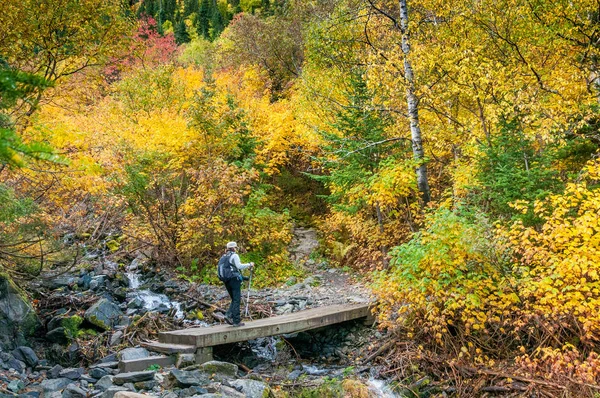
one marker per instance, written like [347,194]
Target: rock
[145,385]
[54,371]
[15,364]
[252,388]
[57,336]
[128,394]
[55,394]
[223,368]
[110,393]
[185,360]
[84,281]
[231,392]
[184,379]
[71,373]
[105,383]
[294,374]
[98,373]
[133,353]
[26,355]
[133,377]
[104,314]
[109,358]
[74,391]
[18,320]
[16,385]
[116,338]
[59,281]
[191,391]
[52,385]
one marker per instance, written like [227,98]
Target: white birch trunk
[413,108]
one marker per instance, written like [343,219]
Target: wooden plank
[289,323]
[169,348]
[137,365]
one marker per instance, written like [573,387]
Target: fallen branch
[379,351]
[514,377]
[204,303]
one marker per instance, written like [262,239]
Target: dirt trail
[324,284]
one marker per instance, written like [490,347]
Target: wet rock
[252,388]
[18,320]
[129,354]
[84,281]
[133,377]
[71,373]
[104,314]
[52,385]
[105,383]
[26,355]
[59,281]
[97,282]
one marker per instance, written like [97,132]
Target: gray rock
[116,338]
[110,393]
[18,319]
[57,336]
[71,373]
[252,388]
[145,385]
[54,371]
[26,355]
[184,379]
[54,394]
[133,353]
[185,360]
[104,314]
[15,364]
[217,367]
[105,383]
[294,374]
[133,377]
[98,373]
[52,385]
[130,386]
[74,391]
[16,385]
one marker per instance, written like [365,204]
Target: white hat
[231,245]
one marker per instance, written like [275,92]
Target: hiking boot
[237,325]
[228,320]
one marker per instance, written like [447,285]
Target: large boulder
[104,314]
[18,320]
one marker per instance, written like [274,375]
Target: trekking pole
[249,284]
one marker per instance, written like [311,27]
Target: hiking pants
[234,288]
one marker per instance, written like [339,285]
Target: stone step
[137,365]
[166,348]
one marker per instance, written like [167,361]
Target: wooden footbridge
[200,341]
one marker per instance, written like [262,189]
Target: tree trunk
[413,108]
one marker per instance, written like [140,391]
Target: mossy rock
[220,368]
[18,320]
[103,314]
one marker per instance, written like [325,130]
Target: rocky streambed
[82,322]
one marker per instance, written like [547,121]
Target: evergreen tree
[203,19]
[181,34]
[216,21]
[190,7]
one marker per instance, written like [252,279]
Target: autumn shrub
[486,292]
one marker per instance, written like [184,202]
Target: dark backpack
[225,269]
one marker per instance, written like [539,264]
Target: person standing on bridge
[229,271]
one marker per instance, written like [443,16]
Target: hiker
[229,270]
